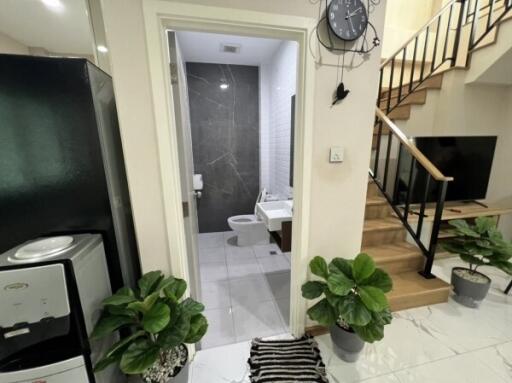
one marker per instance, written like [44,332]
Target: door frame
[160,16]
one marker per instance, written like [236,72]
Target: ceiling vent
[230,48]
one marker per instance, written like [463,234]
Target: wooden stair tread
[411,290]
[376,201]
[377,224]
[392,252]
[433,82]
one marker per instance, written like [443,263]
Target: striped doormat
[286,361]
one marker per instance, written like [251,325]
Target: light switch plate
[336,154]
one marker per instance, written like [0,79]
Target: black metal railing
[482,16]
[413,186]
[436,46]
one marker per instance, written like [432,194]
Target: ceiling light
[54,5]
[102,49]
[224,86]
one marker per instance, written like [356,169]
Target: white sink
[274,213]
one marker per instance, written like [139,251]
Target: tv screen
[468,159]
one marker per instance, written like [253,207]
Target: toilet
[249,229]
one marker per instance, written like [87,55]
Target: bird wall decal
[341,93]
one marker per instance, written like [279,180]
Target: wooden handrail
[430,22]
[412,149]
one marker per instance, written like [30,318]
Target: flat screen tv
[466,158]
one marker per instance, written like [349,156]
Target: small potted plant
[353,306]
[480,244]
[161,322]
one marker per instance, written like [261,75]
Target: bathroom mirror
[292,138]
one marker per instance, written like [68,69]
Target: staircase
[394,236]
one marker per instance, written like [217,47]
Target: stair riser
[377,211]
[423,298]
[434,82]
[415,98]
[377,237]
[373,190]
[402,266]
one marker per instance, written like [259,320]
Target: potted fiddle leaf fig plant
[478,244]
[353,306]
[160,324]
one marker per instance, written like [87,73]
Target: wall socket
[336,154]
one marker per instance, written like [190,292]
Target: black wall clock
[347,19]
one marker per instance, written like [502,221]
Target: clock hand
[350,20]
[353,13]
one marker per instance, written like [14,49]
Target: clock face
[347,18]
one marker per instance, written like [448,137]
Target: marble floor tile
[265,250]
[215,295]
[370,363]
[406,344]
[227,364]
[498,358]
[243,268]
[212,254]
[464,368]
[260,321]
[273,264]
[279,283]
[221,330]
[249,291]
[213,271]
[283,307]
[236,254]
[208,240]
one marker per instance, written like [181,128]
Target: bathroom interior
[239,119]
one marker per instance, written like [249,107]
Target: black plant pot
[469,292]
[177,374]
[347,344]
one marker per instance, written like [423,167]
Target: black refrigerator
[61,161]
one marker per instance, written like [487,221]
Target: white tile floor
[444,343]
[246,290]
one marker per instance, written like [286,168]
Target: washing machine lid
[42,249]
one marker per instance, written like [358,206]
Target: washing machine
[51,291]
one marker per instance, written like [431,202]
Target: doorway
[236,96]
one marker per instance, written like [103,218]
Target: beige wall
[338,191]
[9,45]
[403,19]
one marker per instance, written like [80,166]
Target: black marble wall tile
[225,140]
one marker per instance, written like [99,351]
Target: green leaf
[334,300]
[176,289]
[371,332]
[340,265]
[121,297]
[318,267]
[165,283]
[191,307]
[373,298]
[354,312]
[148,283]
[174,334]
[339,284]
[146,305]
[121,310]
[471,259]
[123,344]
[108,324]
[374,330]
[139,357]
[198,327]
[484,224]
[312,290]
[504,266]
[463,228]
[105,362]
[155,319]
[362,267]
[379,279]
[323,313]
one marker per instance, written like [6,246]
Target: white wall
[338,191]
[9,45]
[278,79]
